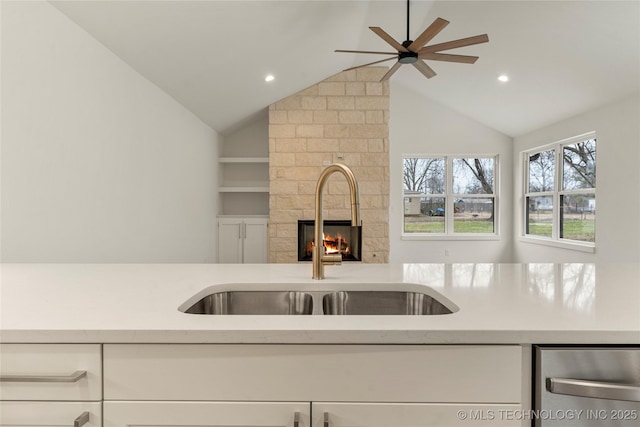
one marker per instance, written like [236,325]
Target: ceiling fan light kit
[407,57]
[415,52]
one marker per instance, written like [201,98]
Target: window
[449,196]
[560,191]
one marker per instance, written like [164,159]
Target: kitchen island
[498,304]
[139,360]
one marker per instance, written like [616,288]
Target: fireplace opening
[339,237]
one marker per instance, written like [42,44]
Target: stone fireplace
[341,119]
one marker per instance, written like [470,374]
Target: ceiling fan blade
[424,69]
[386,37]
[392,70]
[455,44]
[433,56]
[365,51]
[371,63]
[426,36]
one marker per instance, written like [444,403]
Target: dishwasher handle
[594,389]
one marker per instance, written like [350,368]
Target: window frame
[450,197]
[555,240]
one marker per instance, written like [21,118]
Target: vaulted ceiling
[563,57]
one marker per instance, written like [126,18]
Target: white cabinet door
[255,241]
[51,372]
[242,240]
[413,415]
[230,241]
[210,414]
[50,414]
[332,373]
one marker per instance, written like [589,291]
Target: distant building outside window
[450,195]
[560,191]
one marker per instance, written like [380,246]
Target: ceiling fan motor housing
[407,57]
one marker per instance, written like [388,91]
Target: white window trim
[554,240]
[575,245]
[449,197]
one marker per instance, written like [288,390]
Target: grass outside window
[560,196]
[449,195]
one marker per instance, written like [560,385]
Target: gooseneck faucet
[318,255]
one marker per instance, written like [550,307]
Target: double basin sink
[389,299]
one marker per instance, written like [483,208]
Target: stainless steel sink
[381,303]
[331,299]
[254,302]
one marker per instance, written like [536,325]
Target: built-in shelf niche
[244,177]
[244,170]
[245,203]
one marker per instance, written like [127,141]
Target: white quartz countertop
[498,303]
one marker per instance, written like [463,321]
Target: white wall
[98,164]
[617,128]
[419,125]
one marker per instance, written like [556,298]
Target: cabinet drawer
[209,414]
[415,414]
[45,372]
[49,413]
[355,373]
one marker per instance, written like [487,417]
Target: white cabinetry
[242,240]
[50,384]
[357,386]
[244,194]
[210,414]
[410,415]
[47,414]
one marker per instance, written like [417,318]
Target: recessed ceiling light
[269,78]
[503,78]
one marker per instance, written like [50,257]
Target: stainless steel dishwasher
[587,386]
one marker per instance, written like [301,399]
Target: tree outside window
[560,198]
[449,195]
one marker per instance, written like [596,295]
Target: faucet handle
[332,259]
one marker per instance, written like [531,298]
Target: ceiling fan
[414,52]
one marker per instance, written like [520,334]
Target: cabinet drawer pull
[81,420]
[594,389]
[326,419]
[296,419]
[75,377]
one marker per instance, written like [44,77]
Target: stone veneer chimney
[344,118]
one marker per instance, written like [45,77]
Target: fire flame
[333,245]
